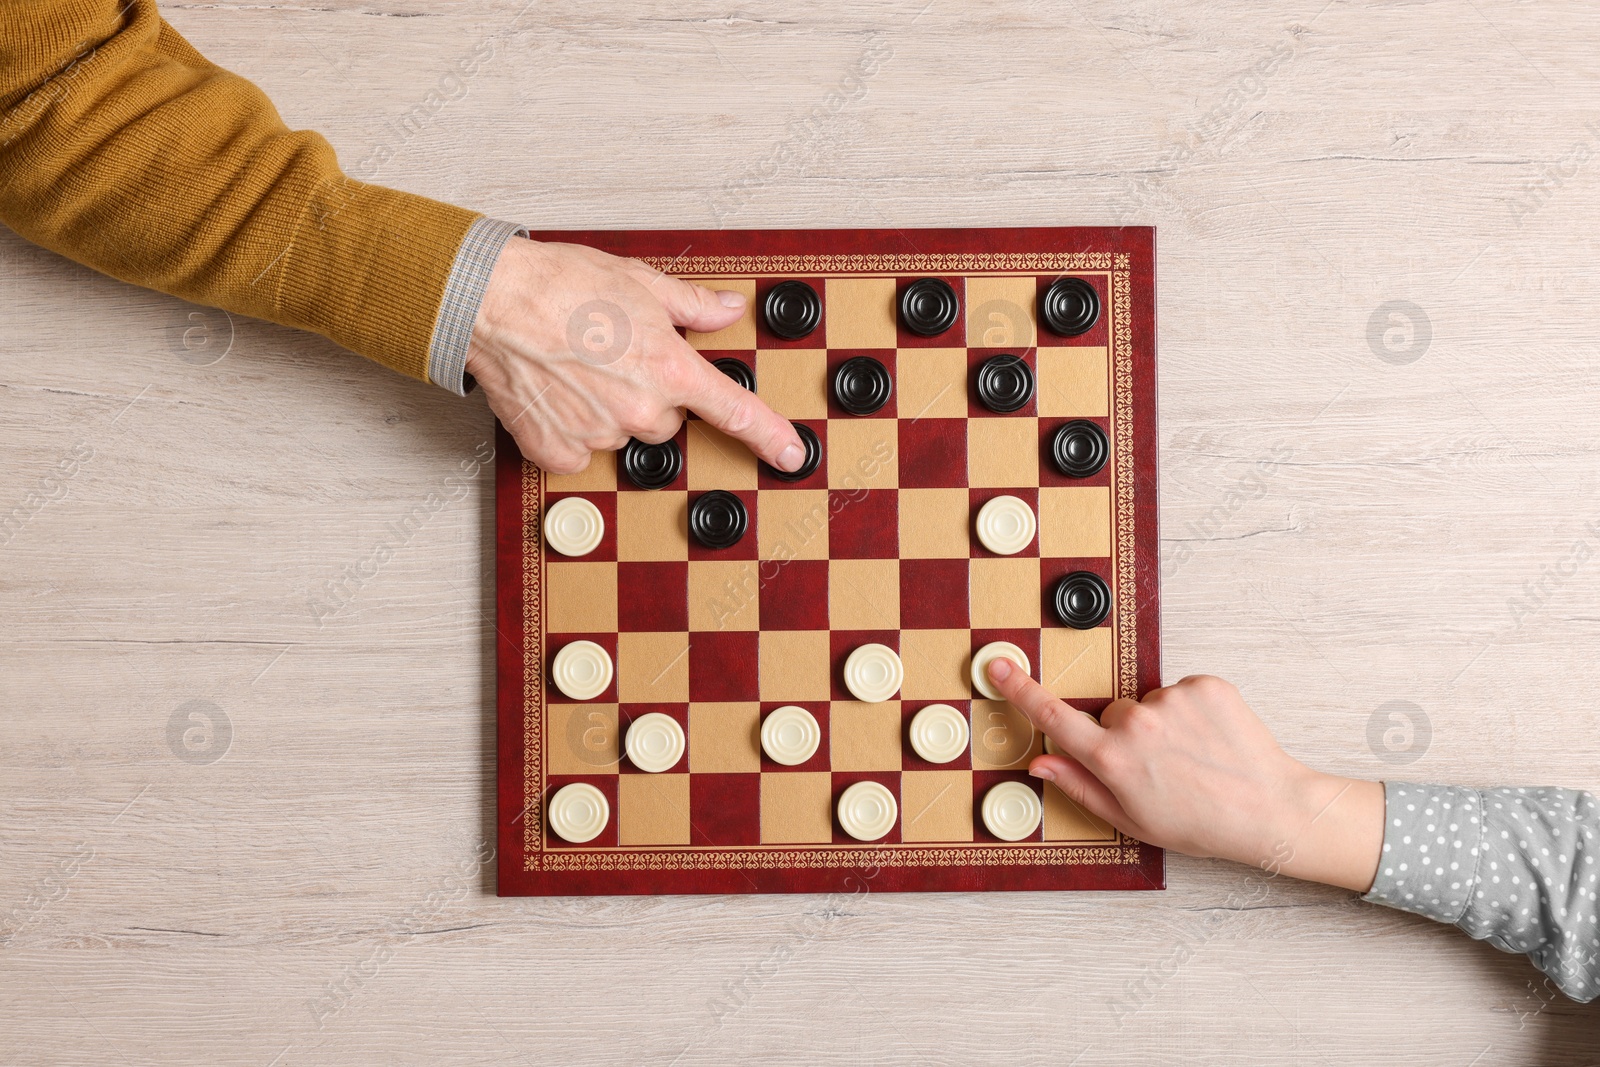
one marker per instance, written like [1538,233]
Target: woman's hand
[576,352]
[1191,768]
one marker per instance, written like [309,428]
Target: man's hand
[1192,769]
[576,352]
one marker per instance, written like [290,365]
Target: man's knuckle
[704,295]
[662,426]
[741,416]
[637,413]
[679,377]
[566,462]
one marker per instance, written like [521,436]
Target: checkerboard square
[582,738]
[652,668]
[1003,452]
[817,338]
[863,525]
[819,759]
[977,498]
[606,550]
[725,738]
[1051,571]
[938,664]
[653,809]
[652,526]
[864,594]
[1078,663]
[797,809]
[1004,592]
[600,476]
[717,461]
[794,382]
[935,524]
[747,545]
[794,524]
[725,809]
[768,480]
[864,737]
[1075,520]
[843,642]
[909,760]
[1002,737]
[862,454]
[794,595]
[795,665]
[936,806]
[861,312]
[1001,312]
[1050,476]
[843,780]
[626,485]
[606,783]
[1074,383]
[746,356]
[933,453]
[932,383]
[724,665]
[1067,821]
[982,782]
[976,411]
[886,356]
[628,714]
[955,335]
[581,597]
[742,333]
[1025,639]
[1097,335]
[724,594]
[651,596]
[933,594]
[557,642]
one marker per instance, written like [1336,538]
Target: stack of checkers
[739,656]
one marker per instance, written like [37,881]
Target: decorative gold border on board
[871,263]
[1125,851]
[532,480]
[1127,569]
[826,859]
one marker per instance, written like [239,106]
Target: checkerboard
[877,545]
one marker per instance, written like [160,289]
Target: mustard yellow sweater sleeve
[121,147]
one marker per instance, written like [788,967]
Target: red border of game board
[1146,872]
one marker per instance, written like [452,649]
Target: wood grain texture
[1339,532]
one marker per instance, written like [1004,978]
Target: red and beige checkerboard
[876,546]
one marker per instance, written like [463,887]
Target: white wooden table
[1378,306]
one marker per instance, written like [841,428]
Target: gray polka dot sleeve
[1513,867]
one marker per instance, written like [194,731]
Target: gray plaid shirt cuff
[463,292]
